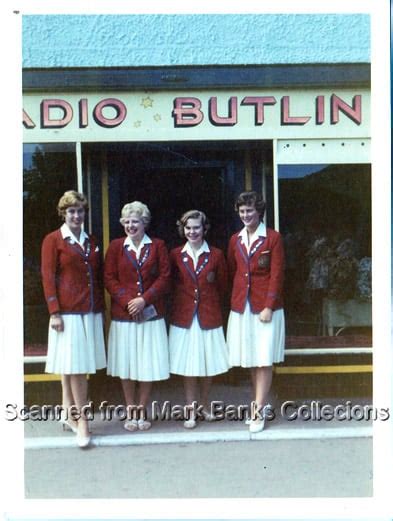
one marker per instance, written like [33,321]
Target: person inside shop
[256,324]
[71,268]
[137,276]
[197,346]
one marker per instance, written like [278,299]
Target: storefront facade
[195,136]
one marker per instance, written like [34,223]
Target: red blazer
[71,277]
[259,276]
[200,291]
[124,281]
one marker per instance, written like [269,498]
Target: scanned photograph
[197,256]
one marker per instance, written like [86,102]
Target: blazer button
[138,283]
[246,274]
[139,293]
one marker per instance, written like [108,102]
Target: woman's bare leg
[79,387]
[190,391]
[263,382]
[205,385]
[128,387]
[144,396]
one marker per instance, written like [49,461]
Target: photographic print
[202,272]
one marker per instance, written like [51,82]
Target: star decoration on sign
[137,123]
[157,117]
[147,102]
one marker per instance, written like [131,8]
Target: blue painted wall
[160,40]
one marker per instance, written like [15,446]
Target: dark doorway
[170,192]
[173,177]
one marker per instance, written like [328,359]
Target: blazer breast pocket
[264,260]
[211,276]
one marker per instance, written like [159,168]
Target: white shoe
[131,425]
[256,425]
[144,425]
[190,424]
[83,441]
[69,425]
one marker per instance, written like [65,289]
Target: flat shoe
[131,425]
[189,424]
[256,425]
[83,441]
[144,425]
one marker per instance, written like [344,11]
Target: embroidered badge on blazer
[211,276]
[264,259]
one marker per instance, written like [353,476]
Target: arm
[222,276]
[276,272]
[231,260]
[111,276]
[49,260]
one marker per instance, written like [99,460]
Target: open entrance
[172,178]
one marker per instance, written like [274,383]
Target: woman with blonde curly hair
[137,276]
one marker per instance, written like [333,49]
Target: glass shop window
[48,171]
[325,220]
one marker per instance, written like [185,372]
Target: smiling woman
[196,338]
[137,276]
[71,277]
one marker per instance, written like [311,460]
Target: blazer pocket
[211,276]
[264,260]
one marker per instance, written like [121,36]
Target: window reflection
[325,219]
[48,171]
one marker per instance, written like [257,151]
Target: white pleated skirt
[253,343]
[138,351]
[196,351]
[80,348]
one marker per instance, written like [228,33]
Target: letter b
[187,112]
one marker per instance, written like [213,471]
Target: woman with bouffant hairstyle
[196,340]
[137,276]
[72,280]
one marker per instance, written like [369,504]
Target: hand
[136,306]
[266,315]
[138,317]
[56,323]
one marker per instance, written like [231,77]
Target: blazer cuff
[271,300]
[150,296]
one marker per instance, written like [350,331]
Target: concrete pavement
[290,458]
[334,468]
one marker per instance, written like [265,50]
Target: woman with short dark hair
[256,328]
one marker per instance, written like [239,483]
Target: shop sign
[234,115]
